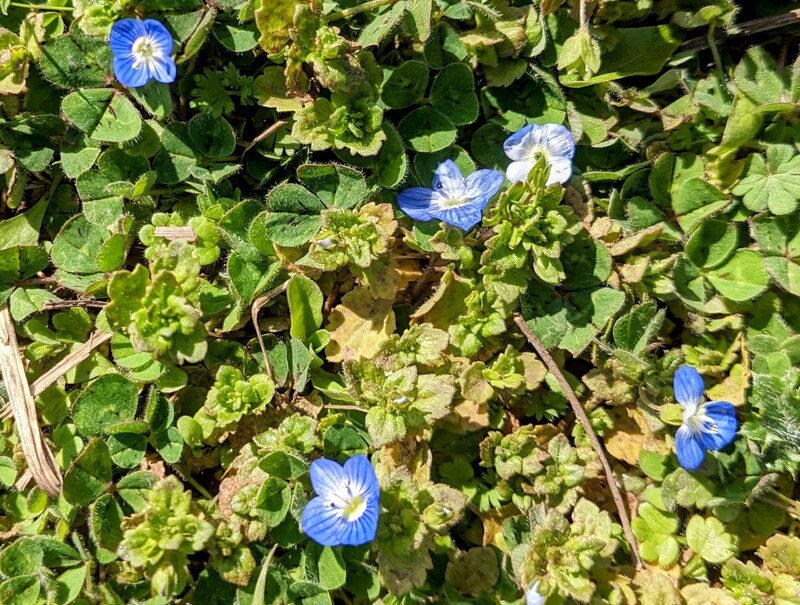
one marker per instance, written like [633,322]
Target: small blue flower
[527,145]
[345,511]
[142,52]
[532,596]
[710,426]
[453,199]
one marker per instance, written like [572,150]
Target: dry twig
[577,408]
[69,362]
[257,306]
[41,463]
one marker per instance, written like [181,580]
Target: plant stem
[357,10]
[580,414]
[348,408]
[65,9]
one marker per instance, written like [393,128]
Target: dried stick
[69,362]
[577,408]
[263,135]
[748,28]
[40,459]
[257,306]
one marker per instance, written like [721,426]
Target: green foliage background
[262,184]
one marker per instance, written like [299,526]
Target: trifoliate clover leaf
[708,538]
[655,530]
[771,182]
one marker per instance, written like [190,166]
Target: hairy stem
[357,10]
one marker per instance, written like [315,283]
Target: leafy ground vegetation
[276,350]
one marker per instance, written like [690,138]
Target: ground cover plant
[399,301]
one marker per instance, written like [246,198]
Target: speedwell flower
[553,142]
[532,596]
[453,199]
[142,52]
[710,426]
[345,511]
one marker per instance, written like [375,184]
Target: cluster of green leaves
[267,303]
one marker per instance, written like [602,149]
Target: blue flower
[527,145]
[710,426]
[142,52]
[532,596]
[453,199]
[345,511]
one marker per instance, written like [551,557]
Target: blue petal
[127,75]
[689,449]
[448,179]
[416,202]
[123,34]
[559,140]
[164,70]
[160,35]
[327,477]
[688,386]
[323,523]
[362,476]
[516,146]
[361,530]
[724,416]
[484,183]
[464,217]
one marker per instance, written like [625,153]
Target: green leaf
[332,570]
[392,160]
[76,62]
[640,51]
[707,537]
[405,85]
[75,247]
[274,501]
[305,306]
[212,136]
[427,130]
[419,14]
[711,244]
[337,186]
[284,465]
[169,444]
[293,215]
[757,75]
[23,229]
[236,38]
[22,557]
[89,475]
[772,183]
[78,153]
[127,449]
[695,200]
[453,94]
[742,278]
[103,113]
[273,20]
[381,25]
[635,330]
[655,530]
[155,98]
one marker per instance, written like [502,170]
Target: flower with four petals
[345,511]
[142,52]
[707,426]
[553,142]
[453,199]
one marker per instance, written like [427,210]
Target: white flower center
[350,503]
[145,52]
[696,420]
